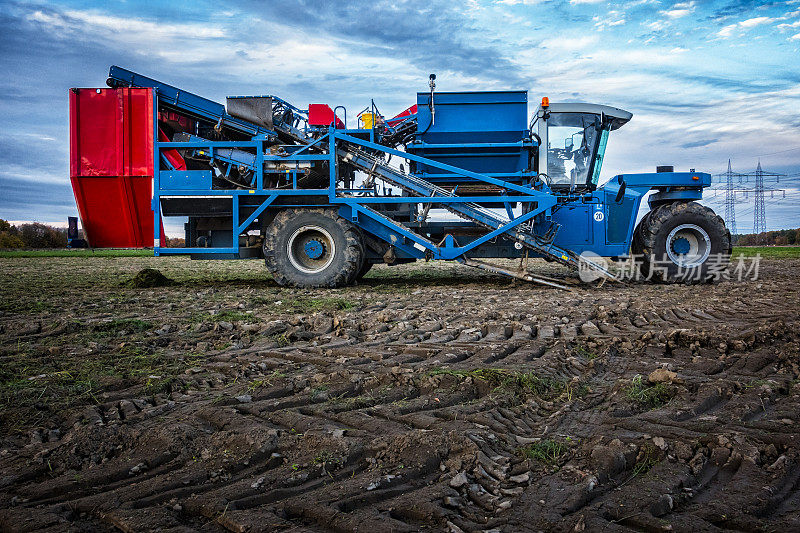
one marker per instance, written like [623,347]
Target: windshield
[571,142]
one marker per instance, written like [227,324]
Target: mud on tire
[313,248]
[681,242]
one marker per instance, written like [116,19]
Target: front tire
[682,242]
[313,248]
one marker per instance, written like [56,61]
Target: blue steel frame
[353,208]
[670,187]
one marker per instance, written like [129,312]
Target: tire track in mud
[414,415]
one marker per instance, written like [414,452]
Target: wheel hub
[681,246]
[311,249]
[688,245]
[314,249]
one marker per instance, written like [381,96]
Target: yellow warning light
[695,178]
[545,102]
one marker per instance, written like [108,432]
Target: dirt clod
[149,278]
[662,375]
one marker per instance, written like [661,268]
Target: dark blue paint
[314,249]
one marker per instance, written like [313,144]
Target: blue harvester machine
[322,202]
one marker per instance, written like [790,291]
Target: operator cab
[575,136]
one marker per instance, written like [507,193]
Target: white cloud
[727,31]
[39,136]
[576,2]
[567,66]
[680,10]
[656,25]
[123,25]
[614,18]
[570,43]
[744,25]
[757,21]
[517,2]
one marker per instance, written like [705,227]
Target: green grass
[548,451]
[586,353]
[33,384]
[771,252]
[10,254]
[266,381]
[648,396]
[767,252]
[282,339]
[648,457]
[509,380]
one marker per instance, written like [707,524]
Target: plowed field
[428,397]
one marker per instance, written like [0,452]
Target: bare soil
[429,397]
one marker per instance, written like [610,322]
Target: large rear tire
[682,242]
[313,248]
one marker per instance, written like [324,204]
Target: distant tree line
[33,235]
[782,237]
[37,235]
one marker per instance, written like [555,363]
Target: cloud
[680,10]
[613,18]
[517,2]
[755,21]
[698,144]
[570,43]
[656,25]
[744,25]
[684,91]
[67,20]
[439,36]
[728,30]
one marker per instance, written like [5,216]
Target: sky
[706,81]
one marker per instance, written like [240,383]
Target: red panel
[172,155]
[410,111]
[137,141]
[115,210]
[111,132]
[322,115]
[111,165]
[94,131]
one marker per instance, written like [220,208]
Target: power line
[780,152]
[759,196]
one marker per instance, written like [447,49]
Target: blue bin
[468,123]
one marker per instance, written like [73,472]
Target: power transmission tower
[759,211]
[730,199]
[759,214]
